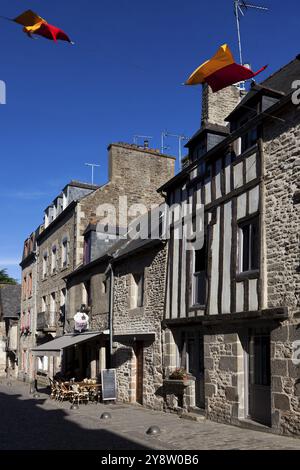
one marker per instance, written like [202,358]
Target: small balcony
[46,321]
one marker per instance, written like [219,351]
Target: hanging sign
[81,321]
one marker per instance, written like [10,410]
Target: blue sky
[122,77]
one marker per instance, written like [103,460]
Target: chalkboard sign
[109,388]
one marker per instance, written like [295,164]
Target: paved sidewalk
[28,423]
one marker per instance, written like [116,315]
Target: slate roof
[10,300]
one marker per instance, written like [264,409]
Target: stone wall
[146,319]
[2,349]
[223,362]
[99,295]
[54,282]
[282,225]
[28,341]
[133,172]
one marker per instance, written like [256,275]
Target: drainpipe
[111,311]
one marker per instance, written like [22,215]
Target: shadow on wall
[25,425]
[122,355]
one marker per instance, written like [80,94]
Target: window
[44,304]
[62,304]
[64,254]
[24,287]
[62,297]
[43,363]
[26,251]
[199,277]
[137,290]
[28,321]
[22,322]
[248,256]
[52,317]
[87,293]
[105,286]
[45,264]
[30,285]
[87,249]
[53,259]
[248,139]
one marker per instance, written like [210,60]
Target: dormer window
[249,139]
[46,220]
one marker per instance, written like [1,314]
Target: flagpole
[236,4]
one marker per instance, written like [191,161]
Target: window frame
[196,274]
[253,264]
[45,264]
[53,259]
[65,252]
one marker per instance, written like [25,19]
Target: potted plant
[179,374]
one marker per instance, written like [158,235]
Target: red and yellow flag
[35,24]
[221,71]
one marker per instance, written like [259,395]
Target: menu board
[109,384]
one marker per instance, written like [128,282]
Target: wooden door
[260,378]
[139,354]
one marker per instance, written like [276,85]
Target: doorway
[139,355]
[192,359]
[260,377]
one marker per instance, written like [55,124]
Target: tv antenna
[240,7]
[92,166]
[137,137]
[181,138]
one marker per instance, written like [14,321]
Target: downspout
[111,312]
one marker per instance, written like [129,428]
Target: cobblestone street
[38,424]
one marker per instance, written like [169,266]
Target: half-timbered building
[232,303]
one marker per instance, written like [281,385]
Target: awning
[55,347]
[135,336]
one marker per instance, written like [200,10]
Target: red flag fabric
[229,75]
[51,32]
[221,71]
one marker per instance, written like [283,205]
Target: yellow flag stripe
[221,59]
[29,18]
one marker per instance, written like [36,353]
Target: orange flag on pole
[221,71]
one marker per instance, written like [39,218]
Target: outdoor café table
[91,388]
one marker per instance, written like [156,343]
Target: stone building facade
[282,229]
[65,239]
[139,287]
[28,312]
[233,305]
[10,299]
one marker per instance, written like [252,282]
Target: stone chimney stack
[217,106]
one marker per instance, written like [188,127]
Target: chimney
[217,106]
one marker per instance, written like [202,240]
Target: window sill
[253,274]
[197,307]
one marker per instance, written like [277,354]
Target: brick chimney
[217,106]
